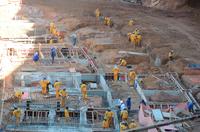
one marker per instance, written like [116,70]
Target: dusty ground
[161,30]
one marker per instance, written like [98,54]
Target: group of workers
[131,75]
[135,38]
[106,20]
[36,55]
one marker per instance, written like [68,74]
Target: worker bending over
[36,57]
[97,13]
[63,96]
[115,71]
[108,21]
[123,62]
[109,116]
[105,123]
[171,55]
[44,83]
[132,124]
[57,85]
[132,77]
[84,91]
[19,95]
[123,126]
[66,114]
[17,114]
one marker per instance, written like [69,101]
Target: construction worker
[108,21]
[57,88]
[105,123]
[84,91]
[132,76]
[53,54]
[190,106]
[132,124]
[19,95]
[66,114]
[36,57]
[52,27]
[123,62]
[136,32]
[109,116]
[63,95]
[115,71]
[74,39]
[124,115]
[44,83]
[130,22]
[97,13]
[128,103]
[171,55]
[123,126]
[17,113]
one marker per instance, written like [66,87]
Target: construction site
[99,65]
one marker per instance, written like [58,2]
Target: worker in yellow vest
[84,91]
[66,114]
[124,115]
[63,96]
[108,21]
[105,123]
[123,126]
[171,55]
[115,71]
[109,116]
[130,22]
[123,62]
[132,124]
[97,13]
[17,113]
[52,27]
[57,85]
[132,77]
[19,95]
[44,83]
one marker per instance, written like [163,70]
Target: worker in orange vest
[124,115]
[105,123]
[115,71]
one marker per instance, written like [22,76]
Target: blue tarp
[194,66]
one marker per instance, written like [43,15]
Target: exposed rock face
[165,4]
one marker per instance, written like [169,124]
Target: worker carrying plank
[57,85]
[63,96]
[109,116]
[17,114]
[115,71]
[44,83]
[122,62]
[19,95]
[84,91]
[124,115]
